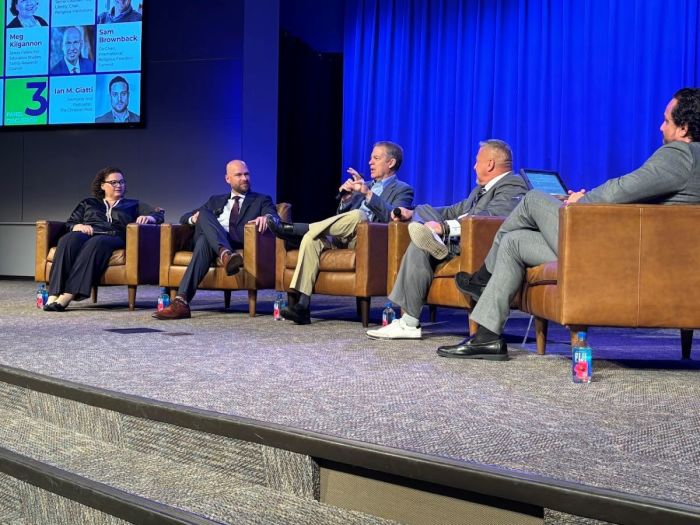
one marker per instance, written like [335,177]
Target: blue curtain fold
[578,87]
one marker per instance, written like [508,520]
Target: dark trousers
[209,238]
[79,262]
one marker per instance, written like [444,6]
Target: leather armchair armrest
[371,259]
[258,252]
[398,241]
[142,253]
[47,235]
[629,265]
[476,239]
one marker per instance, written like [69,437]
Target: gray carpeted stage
[634,430]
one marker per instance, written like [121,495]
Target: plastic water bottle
[42,296]
[280,302]
[581,360]
[388,314]
[163,299]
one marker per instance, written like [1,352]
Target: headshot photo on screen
[27,13]
[72,50]
[116,11]
[120,92]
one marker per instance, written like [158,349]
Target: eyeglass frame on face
[115,183]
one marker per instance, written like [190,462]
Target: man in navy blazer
[360,201]
[72,63]
[218,233]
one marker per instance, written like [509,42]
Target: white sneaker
[398,329]
[426,239]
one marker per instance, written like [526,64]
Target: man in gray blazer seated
[435,233]
[529,236]
[360,201]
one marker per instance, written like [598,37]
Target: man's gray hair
[504,153]
[393,151]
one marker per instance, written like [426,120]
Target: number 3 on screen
[39,88]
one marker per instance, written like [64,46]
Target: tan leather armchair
[257,273]
[358,272]
[475,241]
[625,265]
[131,266]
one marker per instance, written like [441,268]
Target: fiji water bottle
[42,296]
[280,302]
[581,360]
[388,314]
[163,299]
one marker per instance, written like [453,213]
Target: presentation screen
[71,62]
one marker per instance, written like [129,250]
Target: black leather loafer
[296,313]
[493,350]
[463,281]
[283,230]
[54,307]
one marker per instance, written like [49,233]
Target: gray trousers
[528,237]
[416,271]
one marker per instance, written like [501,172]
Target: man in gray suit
[529,236]
[435,233]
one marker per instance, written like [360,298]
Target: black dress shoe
[54,307]
[281,229]
[495,350]
[231,261]
[465,284]
[296,313]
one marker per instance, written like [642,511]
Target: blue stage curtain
[578,87]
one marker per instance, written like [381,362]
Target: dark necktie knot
[74,70]
[482,191]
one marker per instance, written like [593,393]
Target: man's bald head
[237,176]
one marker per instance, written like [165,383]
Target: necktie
[476,199]
[235,211]
[74,70]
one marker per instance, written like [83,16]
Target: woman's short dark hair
[687,111]
[97,190]
[13,8]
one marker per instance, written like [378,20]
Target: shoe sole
[378,338]
[155,316]
[485,357]
[422,236]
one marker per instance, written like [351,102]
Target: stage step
[218,478]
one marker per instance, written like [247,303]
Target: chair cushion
[335,260]
[449,268]
[118,257]
[543,274]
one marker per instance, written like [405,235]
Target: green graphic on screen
[25,101]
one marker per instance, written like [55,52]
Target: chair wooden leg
[363,304]
[93,295]
[132,297]
[686,343]
[172,292]
[472,327]
[227,298]
[432,309]
[541,327]
[252,302]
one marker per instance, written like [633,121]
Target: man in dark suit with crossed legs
[219,225]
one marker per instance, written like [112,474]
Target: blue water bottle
[277,307]
[42,296]
[388,314]
[581,360]
[163,299]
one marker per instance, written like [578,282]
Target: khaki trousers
[342,228]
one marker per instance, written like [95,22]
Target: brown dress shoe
[231,261]
[178,309]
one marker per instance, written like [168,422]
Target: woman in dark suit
[24,14]
[96,228]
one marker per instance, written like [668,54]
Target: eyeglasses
[115,183]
